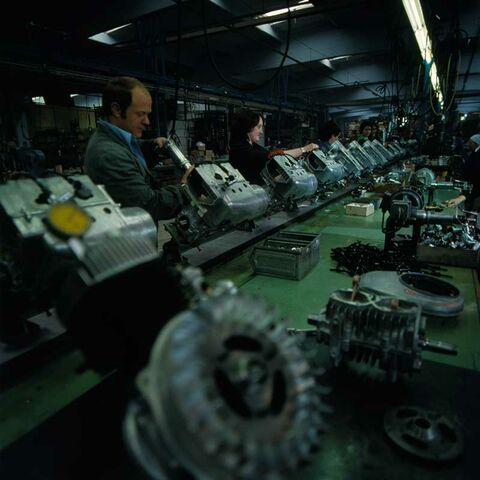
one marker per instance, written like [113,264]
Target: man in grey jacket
[114,156]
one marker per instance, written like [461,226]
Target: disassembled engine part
[226,395]
[343,156]
[436,297]
[41,223]
[424,433]
[176,155]
[365,327]
[219,198]
[326,169]
[462,236]
[288,180]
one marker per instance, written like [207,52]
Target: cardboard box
[360,209]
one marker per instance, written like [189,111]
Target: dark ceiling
[354,58]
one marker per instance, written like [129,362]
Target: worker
[329,133]
[246,155]
[365,132]
[114,156]
[472,176]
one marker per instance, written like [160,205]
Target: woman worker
[246,155]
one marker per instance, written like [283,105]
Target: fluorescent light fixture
[106,37]
[281,11]
[38,100]
[340,57]
[417,21]
[117,28]
[74,95]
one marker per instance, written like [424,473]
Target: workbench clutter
[359,209]
[287,254]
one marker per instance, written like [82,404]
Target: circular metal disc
[424,433]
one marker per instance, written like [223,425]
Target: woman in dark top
[246,155]
[365,132]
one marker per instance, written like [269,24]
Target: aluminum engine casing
[361,155]
[288,179]
[372,329]
[32,248]
[341,155]
[220,197]
[326,169]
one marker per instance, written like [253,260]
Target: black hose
[220,74]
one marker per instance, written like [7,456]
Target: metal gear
[424,433]
[230,394]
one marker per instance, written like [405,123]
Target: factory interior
[240,240]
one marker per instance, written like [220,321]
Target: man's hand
[187,173]
[454,202]
[160,141]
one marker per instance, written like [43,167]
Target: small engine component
[384,330]
[437,297]
[326,169]
[396,149]
[176,155]
[374,153]
[220,198]
[226,395]
[424,176]
[40,219]
[382,150]
[424,433]
[342,156]
[288,180]
[361,155]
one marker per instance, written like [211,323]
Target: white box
[360,209]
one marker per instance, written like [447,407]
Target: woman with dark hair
[329,133]
[246,155]
[365,132]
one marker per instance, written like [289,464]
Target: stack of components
[221,199]
[463,236]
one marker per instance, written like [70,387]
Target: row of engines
[220,198]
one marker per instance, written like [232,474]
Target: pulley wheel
[424,433]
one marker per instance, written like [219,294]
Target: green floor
[355,447]
[297,299]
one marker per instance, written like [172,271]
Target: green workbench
[49,403]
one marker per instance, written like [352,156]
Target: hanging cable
[220,74]
[172,132]
[467,72]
